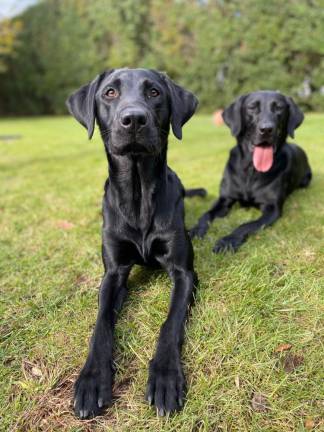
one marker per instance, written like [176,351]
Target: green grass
[269,293]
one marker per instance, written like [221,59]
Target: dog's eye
[111,93]
[252,107]
[154,92]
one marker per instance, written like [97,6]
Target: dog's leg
[93,387]
[270,213]
[220,209]
[166,383]
[195,192]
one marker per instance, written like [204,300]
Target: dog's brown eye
[111,93]
[154,92]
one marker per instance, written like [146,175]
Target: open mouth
[263,156]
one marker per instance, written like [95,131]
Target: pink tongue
[262,158]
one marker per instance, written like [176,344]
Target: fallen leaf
[31,371]
[82,279]
[309,423]
[291,361]
[36,372]
[259,402]
[64,224]
[283,347]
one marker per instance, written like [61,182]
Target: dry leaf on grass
[259,402]
[283,347]
[64,224]
[32,371]
[82,279]
[309,423]
[291,361]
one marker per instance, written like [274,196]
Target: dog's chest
[149,248]
[254,189]
[244,186]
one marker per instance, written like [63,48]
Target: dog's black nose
[133,118]
[266,129]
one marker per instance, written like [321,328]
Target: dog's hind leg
[219,209]
[270,213]
[188,193]
[306,179]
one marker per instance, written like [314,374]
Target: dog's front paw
[199,230]
[166,386]
[228,244]
[92,392]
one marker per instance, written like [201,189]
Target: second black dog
[143,213]
[262,168]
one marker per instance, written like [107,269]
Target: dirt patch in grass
[53,409]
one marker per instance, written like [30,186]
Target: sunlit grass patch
[268,294]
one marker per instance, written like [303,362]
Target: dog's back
[300,173]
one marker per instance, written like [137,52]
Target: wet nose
[266,129]
[133,118]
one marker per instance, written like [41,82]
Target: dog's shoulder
[174,183]
[234,154]
[290,151]
[296,155]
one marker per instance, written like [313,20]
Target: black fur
[264,119]
[143,214]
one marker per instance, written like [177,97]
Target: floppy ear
[81,104]
[295,118]
[232,116]
[183,106]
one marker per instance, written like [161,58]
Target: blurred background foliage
[218,49]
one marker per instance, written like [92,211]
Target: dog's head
[261,122]
[133,109]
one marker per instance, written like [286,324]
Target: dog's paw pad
[198,231]
[227,244]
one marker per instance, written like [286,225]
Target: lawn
[248,305]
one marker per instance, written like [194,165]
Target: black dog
[262,168]
[143,215]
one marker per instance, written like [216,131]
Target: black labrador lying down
[263,169]
[143,214]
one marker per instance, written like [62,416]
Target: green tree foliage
[56,53]
[8,35]
[217,48]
